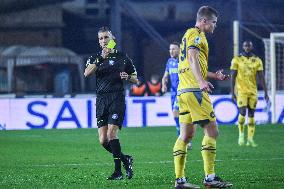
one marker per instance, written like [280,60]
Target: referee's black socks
[106,146]
[117,155]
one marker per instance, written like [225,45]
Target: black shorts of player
[110,109]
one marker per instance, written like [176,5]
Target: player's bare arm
[165,81]
[193,58]
[218,75]
[234,74]
[129,77]
[261,77]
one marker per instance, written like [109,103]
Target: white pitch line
[148,162]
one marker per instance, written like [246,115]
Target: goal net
[274,67]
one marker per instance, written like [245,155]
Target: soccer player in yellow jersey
[195,105]
[245,68]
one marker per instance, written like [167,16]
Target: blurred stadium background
[48,39]
[43,48]
[44,45]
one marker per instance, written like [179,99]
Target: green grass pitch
[74,159]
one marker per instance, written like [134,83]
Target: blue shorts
[174,100]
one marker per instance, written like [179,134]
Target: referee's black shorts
[110,109]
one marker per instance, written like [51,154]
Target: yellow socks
[241,121]
[208,152]
[251,128]
[179,152]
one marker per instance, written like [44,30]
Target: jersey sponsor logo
[197,40]
[111,62]
[114,116]
[183,70]
[173,70]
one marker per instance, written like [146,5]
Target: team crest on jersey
[114,116]
[212,114]
[197,40]
[111,62]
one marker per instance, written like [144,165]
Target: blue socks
[177,125]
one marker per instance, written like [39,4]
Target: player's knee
[190,135]
[111,134]
[103,139]
[214,134]
[186,137]
[180,144]
[211,129]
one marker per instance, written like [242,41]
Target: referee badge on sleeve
[212,114]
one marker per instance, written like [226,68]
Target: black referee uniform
[110,100]
[110,103]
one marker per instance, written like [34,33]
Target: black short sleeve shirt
[108,72]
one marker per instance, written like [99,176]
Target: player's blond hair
[206,12]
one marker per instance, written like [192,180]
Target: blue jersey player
[172,73]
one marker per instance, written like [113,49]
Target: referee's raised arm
[91,66]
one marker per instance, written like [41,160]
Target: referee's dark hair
[104,29]
[175,43]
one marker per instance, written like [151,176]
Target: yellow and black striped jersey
[193,38]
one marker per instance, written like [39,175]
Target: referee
[111,68]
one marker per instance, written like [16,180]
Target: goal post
[274,67]
[236,26]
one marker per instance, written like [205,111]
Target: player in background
[172,73]
[195,106]
[111,68]
[244,69]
